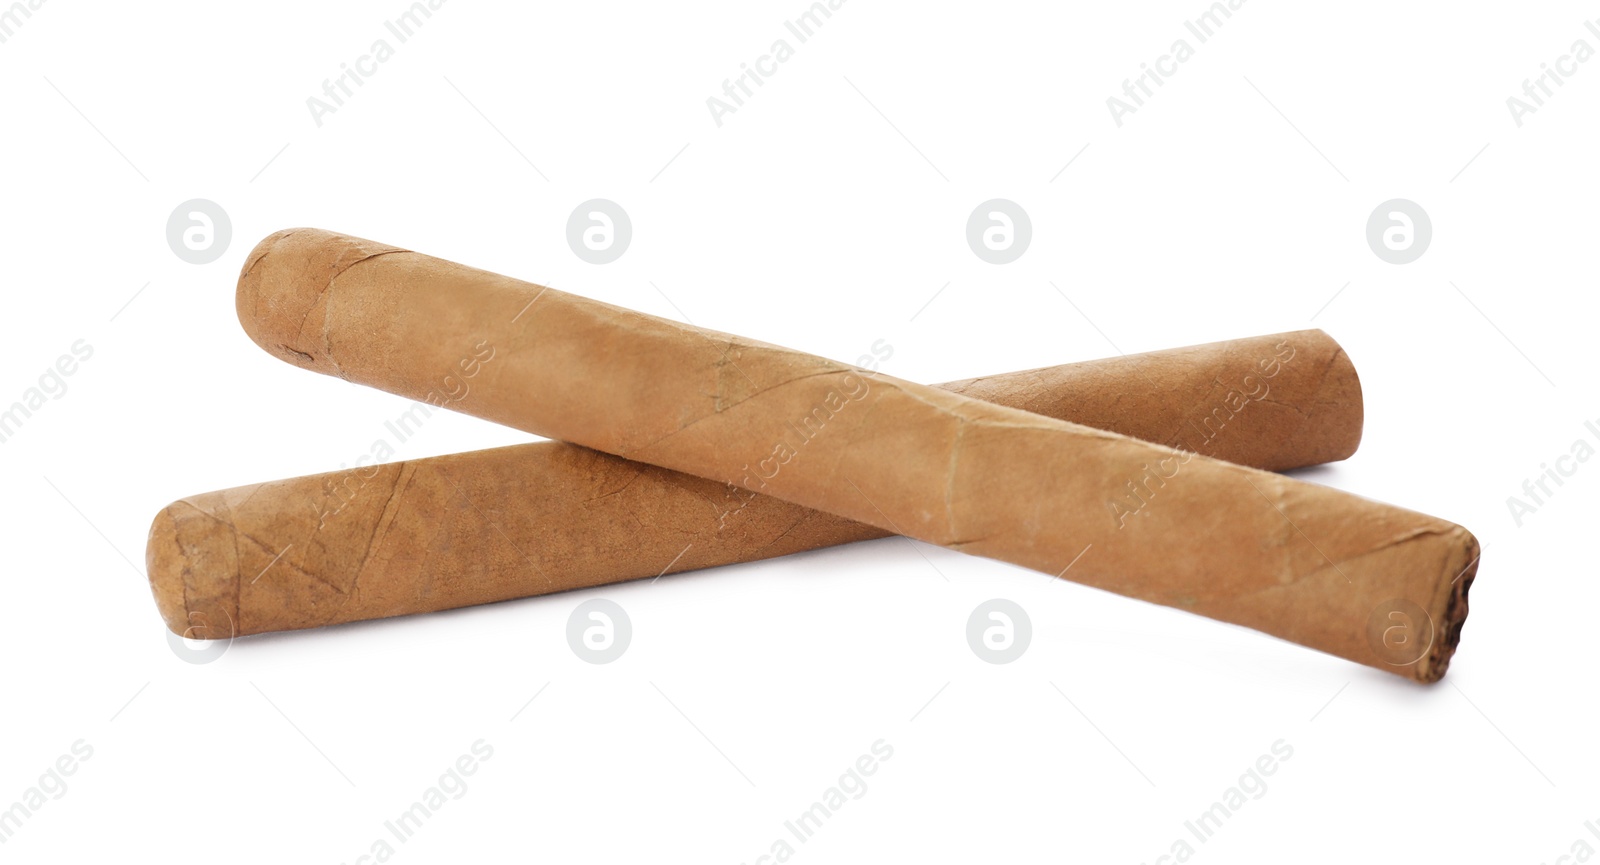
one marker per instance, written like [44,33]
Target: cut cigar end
[1464,569]
[281,302]
[193,568]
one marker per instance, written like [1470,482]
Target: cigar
[431,534]
[1309,564]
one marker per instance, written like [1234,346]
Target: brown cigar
[1310,564]
[446,532]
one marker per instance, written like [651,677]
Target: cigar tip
[266,302]
[283,287]
[166,578]
[1346,386]
[192,566]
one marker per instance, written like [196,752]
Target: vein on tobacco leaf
[624,487]
[1279,489]
[716,508]
[178,542]
[1301,577]
[728,356]
[804,516]
[1328,367]
[265,547]
[950,482]
[312,576]
[795,379]
[402,479]
[850,442]
[402,482]
[327,331]
[1404,538]
[647,446]
[250,495]
[993,422]
[942,409]
[1288,405]
[494,525]
[1051,470]
[327,319]
[250,268]
[962,387]
[727,360]
[238,561]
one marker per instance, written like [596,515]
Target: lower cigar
[452,531]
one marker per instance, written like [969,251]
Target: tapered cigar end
[192,561]
[282,296]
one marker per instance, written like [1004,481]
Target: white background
[823,215]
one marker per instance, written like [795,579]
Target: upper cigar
[1164,523]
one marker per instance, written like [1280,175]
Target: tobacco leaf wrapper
[445,532]
[1309,564]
